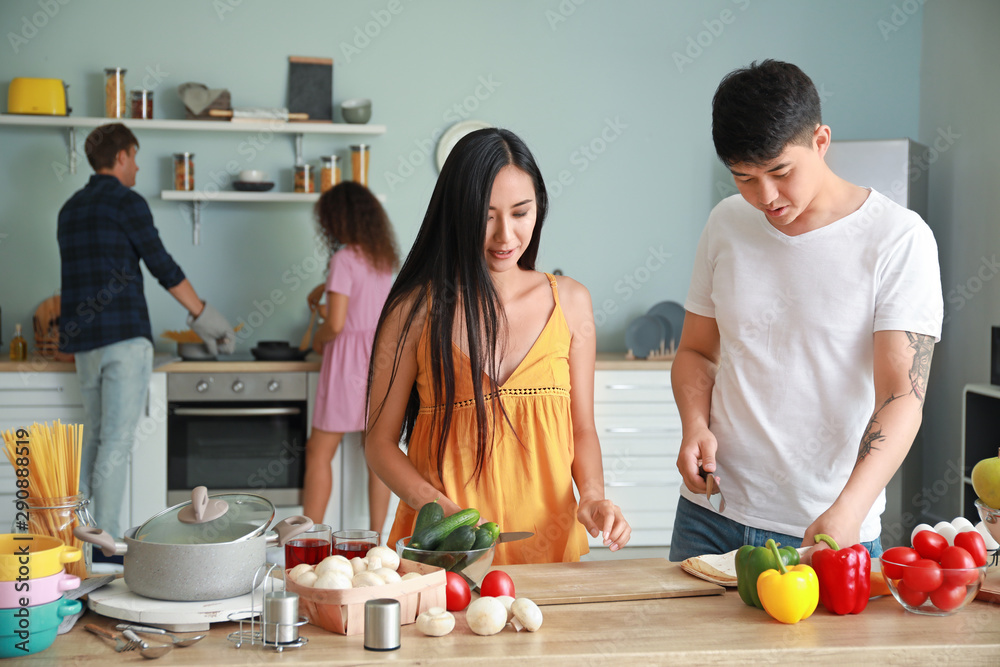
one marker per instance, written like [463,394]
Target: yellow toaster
[46,97]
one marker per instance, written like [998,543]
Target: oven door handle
[235,412]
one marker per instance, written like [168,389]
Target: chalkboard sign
[310,87]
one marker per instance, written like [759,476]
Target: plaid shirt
[104,230]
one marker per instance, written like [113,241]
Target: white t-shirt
[796,317]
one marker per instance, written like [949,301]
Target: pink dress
[343,378]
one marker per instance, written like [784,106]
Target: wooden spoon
[307,336]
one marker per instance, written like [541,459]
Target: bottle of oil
[18,346]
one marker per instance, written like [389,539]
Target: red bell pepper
[844,576]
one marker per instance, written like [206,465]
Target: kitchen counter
[708,630]
[606,361]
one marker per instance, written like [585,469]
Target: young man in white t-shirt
[813,310]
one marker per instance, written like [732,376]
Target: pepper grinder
[382,624]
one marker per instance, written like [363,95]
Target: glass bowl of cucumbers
[473,563]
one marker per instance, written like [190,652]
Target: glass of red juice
[351,543]
[309,547]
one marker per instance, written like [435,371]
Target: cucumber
[486,535]
[460,539]
[428,515]
[431,537]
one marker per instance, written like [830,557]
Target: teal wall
[959,95]
[601,91]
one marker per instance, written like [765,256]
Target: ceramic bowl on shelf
[356,111]
[253,186]
[253,176]
[930,591]
[474,563]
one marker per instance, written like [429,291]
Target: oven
[237,432]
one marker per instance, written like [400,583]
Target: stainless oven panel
[255,386]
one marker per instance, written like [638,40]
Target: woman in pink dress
[364,255]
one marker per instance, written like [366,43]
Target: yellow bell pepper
[789,594]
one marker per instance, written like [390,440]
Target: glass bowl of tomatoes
[474,563]
[923,586]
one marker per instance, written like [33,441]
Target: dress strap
[555,289]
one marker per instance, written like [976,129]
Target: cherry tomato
[973,542]
[896,556]
[948,597]
[910,596]
[923,575]
[958,566]
[929,544]
[495,584]
[457,593]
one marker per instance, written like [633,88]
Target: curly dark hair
[759,110]
[349,214]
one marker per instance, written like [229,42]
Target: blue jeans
[699,531]
[114,381]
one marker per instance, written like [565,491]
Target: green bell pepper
[751,561]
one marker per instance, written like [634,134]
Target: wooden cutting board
[990,591]
[606,581]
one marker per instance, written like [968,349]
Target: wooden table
[709,630]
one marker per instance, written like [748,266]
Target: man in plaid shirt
[104,230]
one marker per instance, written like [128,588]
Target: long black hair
[446,270]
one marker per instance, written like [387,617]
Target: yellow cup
[30,556]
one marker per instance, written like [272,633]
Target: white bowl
[253,176]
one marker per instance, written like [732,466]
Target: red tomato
[910,596]
[924,575]
[973,542]
[929,544]
[948,597]
[959,567]
[457,593]
[896,556]
[495,584]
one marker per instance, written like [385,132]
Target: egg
[962,524]
[922,526]
[947,531]
[991,544]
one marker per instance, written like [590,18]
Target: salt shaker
[382,624]
[281,616]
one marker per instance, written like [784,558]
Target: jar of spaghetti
[184,171]
[304,178]
[329,173]
[114,92]
[142,104]
[57,517]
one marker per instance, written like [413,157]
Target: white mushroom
[527,615]
[359,564]
[297,571]
[388,576]
[507,602]
[307,579]
[335,564]
[435,622]
[373,563]
[362,579]
[388,557]
[486,616]
[411,575]
[333,580]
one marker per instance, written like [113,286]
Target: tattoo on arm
[923,348]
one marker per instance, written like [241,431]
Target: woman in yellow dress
[484,367]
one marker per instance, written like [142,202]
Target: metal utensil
[176,640]
[147,651]
[120,643]
[713,490]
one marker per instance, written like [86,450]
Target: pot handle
[288,528]
[202,509]
[103,539]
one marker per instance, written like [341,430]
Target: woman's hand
[314,298]
[603,516]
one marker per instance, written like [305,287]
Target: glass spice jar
[360,154]
[142,104]
[329,173]
[304,179]
[114,92]
[57,517]
[184,171]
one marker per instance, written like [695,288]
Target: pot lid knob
[202,508]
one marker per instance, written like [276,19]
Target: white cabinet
[640,433]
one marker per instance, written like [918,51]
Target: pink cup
[36,591]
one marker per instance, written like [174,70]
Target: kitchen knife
[514,537]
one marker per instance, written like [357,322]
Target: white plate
[452,135]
